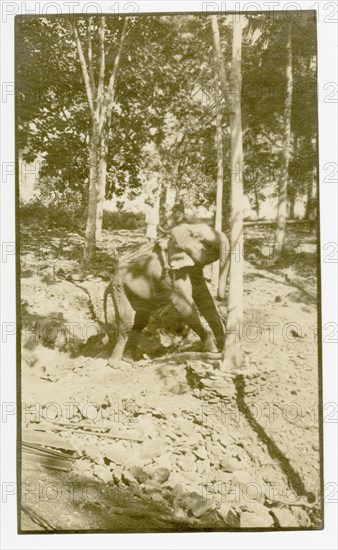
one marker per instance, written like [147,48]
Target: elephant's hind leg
[141,321]
[125,316]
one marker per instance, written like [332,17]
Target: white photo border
[326,539]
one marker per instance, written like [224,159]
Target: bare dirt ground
[167,444]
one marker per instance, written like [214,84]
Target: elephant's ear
[177,257]
[197,236]
[211,251]
[180,259]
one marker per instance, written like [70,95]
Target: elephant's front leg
[183,301]
[206,305]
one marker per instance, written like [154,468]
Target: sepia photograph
[168,274]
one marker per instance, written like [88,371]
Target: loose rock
[161,475]
[284,517]
[103,473]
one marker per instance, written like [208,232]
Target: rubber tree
[100,97]
[219,275]
[286,152]
[233,351]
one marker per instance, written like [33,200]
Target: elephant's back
[141,275]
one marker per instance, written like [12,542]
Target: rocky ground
[167,444]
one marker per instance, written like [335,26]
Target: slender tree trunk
[292,188]
[233,350]
[89,251]
[102,170]
[167,203]
[215,281]
[283,180]
[219,271]
[101,99]
[311,190]
[153,207]
[257,205]
[292,200]
[308,206]
[102,176]
[169,199]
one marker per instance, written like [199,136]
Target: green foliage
[164,96]
[51,217]
[123,220]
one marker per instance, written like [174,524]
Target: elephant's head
[193,244]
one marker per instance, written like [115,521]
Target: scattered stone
[258,509]
[88,410]
[229,515]
[301,516]
[227,392]
[103,473]
[128,478]
[76,277]
[157,498]
[247,486]
[249,389]
[165,461]
[284,517]
[178,490]
[278,299]
[251,520]
[195,504]
[84,468]
[93,453]
[152,485]
[139,474]
[201,453]
[161,475]
[48,276]
[187,463]
[243,477]
[117,474]
[230,464]
[115,455]
[180,514]
[145,425]
[152,448]
[202,508]
[203,466]
[185,425]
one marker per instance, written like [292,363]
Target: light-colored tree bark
[311,191]
[233,351]
[220,272]
[100,101]
[215,281]
[283,179]
[153,206]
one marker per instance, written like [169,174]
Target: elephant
[168,271]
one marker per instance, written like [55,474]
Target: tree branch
[84,69]
[102,63]
[110,95]
[219,62]
[90,59]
